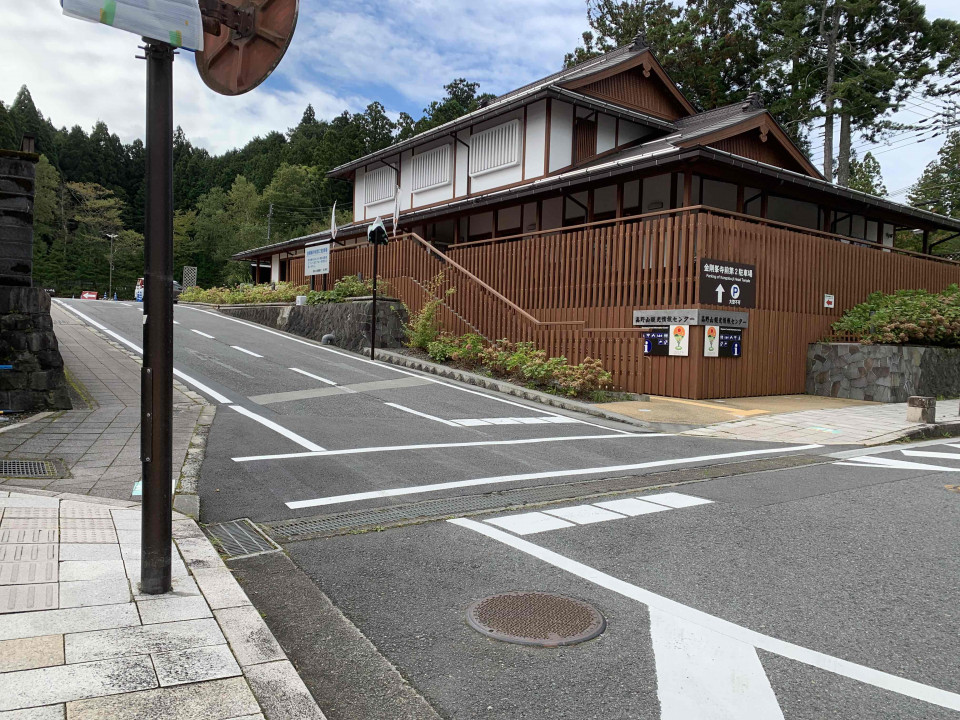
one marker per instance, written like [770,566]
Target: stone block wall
[349,321]
[882,373]
[17,176]
[28,343]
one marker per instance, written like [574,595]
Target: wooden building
[561,209]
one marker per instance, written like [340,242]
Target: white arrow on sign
[720,292]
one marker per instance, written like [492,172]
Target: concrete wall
[882,373]
[349,322]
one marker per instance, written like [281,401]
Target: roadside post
[237,45]
[376,236]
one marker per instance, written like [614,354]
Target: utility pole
[269,223]
[112,237]
[156,412]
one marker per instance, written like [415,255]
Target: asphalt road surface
[737,579]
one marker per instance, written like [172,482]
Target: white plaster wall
[561,135]
[275,268]
[887,235]
[722,195]
[406,179]
[529,217]
[794,212]
[606,133]
[656,193]
[463,160]
[631,131]
[536,140]
[432,195]
[552,213]
[506,176]
[358,196]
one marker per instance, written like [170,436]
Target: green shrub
[244,294]
[907,317]
[423,327]
[347,287]
[466,350]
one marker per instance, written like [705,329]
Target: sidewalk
[100,444]
[873,424]
[78,641]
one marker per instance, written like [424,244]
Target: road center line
[437,487]
[423,415]
[837,666]
[438,446]
[394,368]
[202,334]
[301,441]
[248,352]
[315,377]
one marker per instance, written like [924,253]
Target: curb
[928,432]
[507,388]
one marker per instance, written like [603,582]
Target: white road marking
[529,523]
[202,334]
[213,394]
[437,487]
[435,446]
[838,666]
[248,352]
[395,369]
[878,462]
[931,454]
[631,507]
[585,514]
[706,675]
[301,441]
[175,322]
[676,500]
[476,422]
[314,377]
[423,415]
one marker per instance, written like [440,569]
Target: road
[766,581]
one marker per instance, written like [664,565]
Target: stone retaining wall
[349,321]
[882,373]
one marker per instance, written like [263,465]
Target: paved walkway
[77,640]
[100,444]
[873,424]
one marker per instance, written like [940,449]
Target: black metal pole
[373,324]
[156,410]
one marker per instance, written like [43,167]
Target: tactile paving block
[15,536]
[83,510]
[29,598]
[29,553]
[28,523]
[88,535]
[28,573]
[16,512]
[86,523]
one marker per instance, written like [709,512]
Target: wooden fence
[573,292]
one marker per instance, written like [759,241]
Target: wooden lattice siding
[749,145]
[573,292]
[631,89]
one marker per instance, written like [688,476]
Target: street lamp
[112,237]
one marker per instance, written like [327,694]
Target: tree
[27,119]
[938,189]
[461,98]
[8,133]
[866,175]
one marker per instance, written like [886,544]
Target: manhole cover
[241,538]
[28,469]
[536,618]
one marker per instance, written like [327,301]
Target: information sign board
[656,342]
[731,343]
[727,283]
[655,318]
[318,260]
[711,341]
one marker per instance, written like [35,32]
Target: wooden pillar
[619,195]
[257,277]
[687,188]
[673,192]
[740,198]
[926,242]
[763,205]
[590,205]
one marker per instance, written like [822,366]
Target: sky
[344,55]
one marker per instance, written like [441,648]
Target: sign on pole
[177,22]
[318,260]
[727,283]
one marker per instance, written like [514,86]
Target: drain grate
[28,469]
[241,538]
[342,523]
[536,618]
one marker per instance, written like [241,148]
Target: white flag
[396,211]
[333,222]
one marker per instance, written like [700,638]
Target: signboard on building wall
[731,343]
[656,342]
[727,283]
[727,318]
[318,260]
[711,341]
[679,340]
